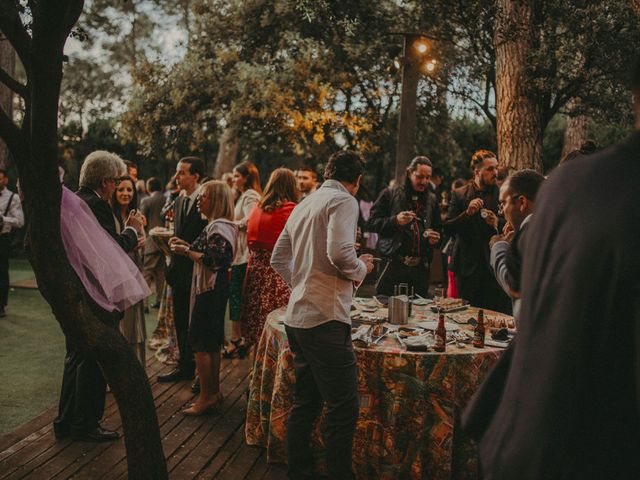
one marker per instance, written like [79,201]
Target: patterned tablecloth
[410,405]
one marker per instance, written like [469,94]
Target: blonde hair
[221,199]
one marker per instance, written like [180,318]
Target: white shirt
[14,217]
[315,254]
[193,199]
[245,204]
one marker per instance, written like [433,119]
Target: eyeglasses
[501,203]
[116,180]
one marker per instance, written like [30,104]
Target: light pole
[414,62]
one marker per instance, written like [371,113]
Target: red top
[263,228]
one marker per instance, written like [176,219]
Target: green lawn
[31,354]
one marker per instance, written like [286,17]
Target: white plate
[449,327]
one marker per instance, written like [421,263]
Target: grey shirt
[315,254]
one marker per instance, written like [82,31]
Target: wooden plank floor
[195,447]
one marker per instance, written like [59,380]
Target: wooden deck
[195,447]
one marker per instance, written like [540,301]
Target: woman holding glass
[132,325]
[246,180]
[212,253]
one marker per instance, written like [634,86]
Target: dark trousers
[482,290]
[181,300]
[5,247]
[83,391]
[326,371]
[396,272]
[82,396]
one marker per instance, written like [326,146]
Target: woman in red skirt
[264,290]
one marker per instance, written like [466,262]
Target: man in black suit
[83,386]
[188,225]
[570,407]
[154,262]
[473,220]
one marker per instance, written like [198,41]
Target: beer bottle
[478,333]
[441,335]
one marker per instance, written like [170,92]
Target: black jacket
[128,239]
[180,269]
[392,201]
[570,404]
[472,234]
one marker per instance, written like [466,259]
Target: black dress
[206,330]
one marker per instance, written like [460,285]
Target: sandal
[235,348]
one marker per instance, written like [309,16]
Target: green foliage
[298,79]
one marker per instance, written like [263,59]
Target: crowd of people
[299,243]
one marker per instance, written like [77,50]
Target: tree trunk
[406,146]
[519,110]
[575,133]
[227,153]
[87,327]
[7,63]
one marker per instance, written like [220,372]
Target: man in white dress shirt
[316,256]
[11,217]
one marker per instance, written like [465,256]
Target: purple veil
[106,271]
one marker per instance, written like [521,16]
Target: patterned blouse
[218,254]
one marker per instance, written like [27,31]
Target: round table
[410,404]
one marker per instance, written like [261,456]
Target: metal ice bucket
[400,305]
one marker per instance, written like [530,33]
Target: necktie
[185,210]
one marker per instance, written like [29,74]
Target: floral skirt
[264,291]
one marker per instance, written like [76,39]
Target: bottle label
[478,339]
[440,343]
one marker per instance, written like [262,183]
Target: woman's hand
[181,248]
[176,241]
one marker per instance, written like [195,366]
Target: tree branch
[12,27]
[13,84]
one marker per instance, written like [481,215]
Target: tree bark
[575,133]
[87,327]
[519,111]
[7,63]
[227,153]
[405,148]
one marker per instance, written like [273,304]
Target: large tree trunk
[227,153]
[87,327]
[7,63]
[519,110]
[575,133]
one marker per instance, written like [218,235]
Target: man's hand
[501,238]
[433,237]
[403,218]
[135,220]
[489,217]
[474,206]
[367,258]
[507,228]
[141,242]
